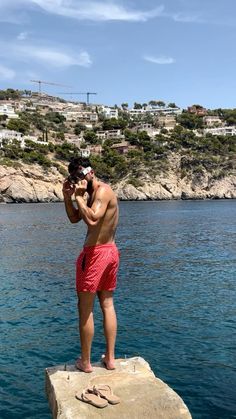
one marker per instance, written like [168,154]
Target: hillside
[147,155]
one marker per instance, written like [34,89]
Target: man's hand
[68,189]
[81,188]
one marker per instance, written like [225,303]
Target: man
[97,265]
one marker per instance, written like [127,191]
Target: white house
[110,134]
[212,121]
[10,136]
[165,110]
[7,134]
[73,139]
[84,152]
[149,128]
[221,131]
[8,110]
[137,112]
[109,112]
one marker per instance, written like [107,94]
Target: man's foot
[83,366]
[108,363]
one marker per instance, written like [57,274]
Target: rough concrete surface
[142,395]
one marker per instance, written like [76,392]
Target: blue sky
[180,51]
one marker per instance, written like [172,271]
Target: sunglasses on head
[74,178]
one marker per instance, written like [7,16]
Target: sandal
[91,398]
[105,391]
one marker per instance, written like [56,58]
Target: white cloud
[187,18]
[6,73]
[88,10]
[45,55]
[22,36]
[159,60]
[54,57]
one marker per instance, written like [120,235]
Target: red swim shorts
[96,268]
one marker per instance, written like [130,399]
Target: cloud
[45,55]
[6,73]
[22,36]
[87,10]
[187,18]
[54,57]
[159,60]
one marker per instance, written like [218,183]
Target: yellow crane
[40,82]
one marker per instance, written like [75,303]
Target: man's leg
[110,326]
[86,328]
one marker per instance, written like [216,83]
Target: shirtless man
[97,265]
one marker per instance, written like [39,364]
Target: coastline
[32,184]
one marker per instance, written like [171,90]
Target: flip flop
[92,399]
[105,391]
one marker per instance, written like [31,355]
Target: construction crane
[79,93]
[40,82]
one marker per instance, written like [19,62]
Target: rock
[129,192]
[30,183]
[142,395]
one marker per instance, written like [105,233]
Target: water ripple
[176,300]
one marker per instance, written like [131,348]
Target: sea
[175,301]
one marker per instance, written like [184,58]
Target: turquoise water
[176,300]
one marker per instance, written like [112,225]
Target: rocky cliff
[31,183]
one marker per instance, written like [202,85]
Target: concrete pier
[141,394]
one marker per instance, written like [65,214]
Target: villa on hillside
[7,134]
[10,136]
[8,110]
[166,121]
[108,112]
[163,110]
[110,134]
[212,121]
[96,149]
[154,110]
[85,152]
[73,139]
[197,110]
[80,116]
[137,112]
[221,131]
[123,147]
[148,128]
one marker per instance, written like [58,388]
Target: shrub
[135,182]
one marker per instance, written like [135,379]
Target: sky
[180,51]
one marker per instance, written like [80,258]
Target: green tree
[190,121]
[90,137]
[114,123]
[78,128]
[18,125]
[55,117]
[172,105]
[137,105]
[161,104]
[10,94]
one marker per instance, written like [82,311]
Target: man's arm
[93,215]
[72,213]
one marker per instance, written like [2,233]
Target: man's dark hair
[76,162]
